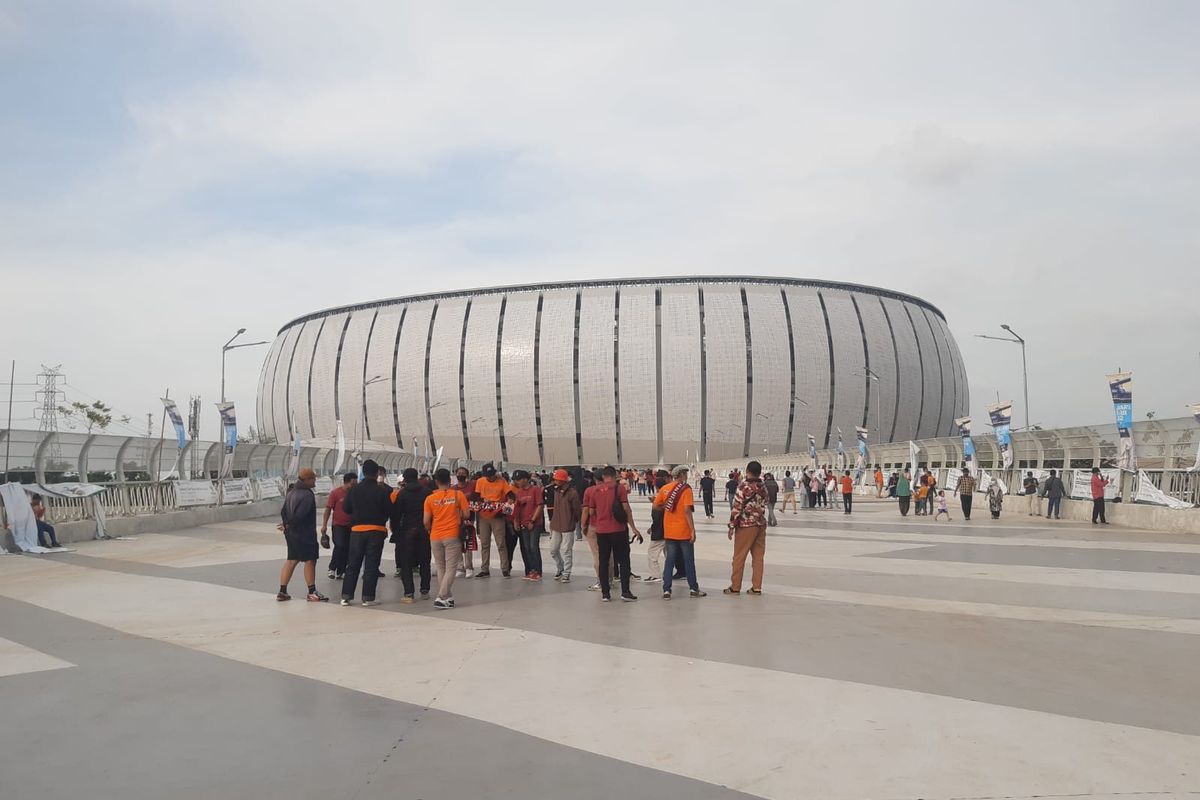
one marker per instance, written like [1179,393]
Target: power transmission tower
[47,399]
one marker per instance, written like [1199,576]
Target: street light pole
[1016,339]
[231,346]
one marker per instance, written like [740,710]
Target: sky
[173,171]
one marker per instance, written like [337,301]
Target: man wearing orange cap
[299,528]
[564,517]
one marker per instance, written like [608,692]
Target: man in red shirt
[606,509]
[341,526]
[1099,484]
[847,491]
[529,520]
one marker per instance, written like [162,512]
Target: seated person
[45,529]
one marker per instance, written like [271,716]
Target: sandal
[731,590]
[754,591]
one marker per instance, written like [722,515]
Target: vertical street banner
[228,436]
[294,467]
[812,451]
[1195,409]
[964,430]
[841,452]
[176,420]
[1001,416]
[341,448]
[1120,385]
[914,454]
[860,463]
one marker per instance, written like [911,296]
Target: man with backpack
[606,509]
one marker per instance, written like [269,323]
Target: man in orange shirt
[679,531]
[445,509]
[878,481]
[847,491]
[493,489]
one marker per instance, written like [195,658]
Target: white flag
[341,445]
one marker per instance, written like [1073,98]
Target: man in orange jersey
[445,510]
[679,531]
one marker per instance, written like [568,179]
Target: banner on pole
[228,436]
[914,453]
[341,448]
[294,466]
[841,451]
[860,463]
[176,420]
[1001,417]
[964,430]
[1195,409]
[812,451]
[1120,385]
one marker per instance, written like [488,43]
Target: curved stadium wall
[621,371]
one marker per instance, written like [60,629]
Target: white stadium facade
[632,372]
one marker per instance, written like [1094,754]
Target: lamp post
[231,346]
[1016,339]
[872,375]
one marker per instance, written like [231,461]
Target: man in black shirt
[708,485]
[409,534]
[299,527]
[369,505]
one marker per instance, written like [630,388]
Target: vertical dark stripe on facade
[274,377]
[575,380]
[658,365]
[431,442]
[337,370]
[287,388]
[896,361]
[366,356]
[499,405]
[395,388]
[862,330]
[787,315]
[312,359]
[832,376]
[941,372]
[916,432]
[703,383]
[537,381]
[953,376]
[462,391]
[616,339]
[749,376]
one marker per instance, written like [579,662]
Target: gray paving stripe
[1068,557]
[144,719]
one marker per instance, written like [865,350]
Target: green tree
[94,416]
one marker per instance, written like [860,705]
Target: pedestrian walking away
[748,530]
[674,503]
[444,512]
[369,506]
[708,486]
[465,484]
[606,508]
[298,524]
[1054,490]
[965,489]
[772,487]
[789,493]
[341,526]
[409,534]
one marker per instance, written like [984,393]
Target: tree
[97,415]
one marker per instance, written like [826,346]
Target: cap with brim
[561,475]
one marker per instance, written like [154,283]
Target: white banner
[914,453]
[324,485]
[1147,492]
[341,448]
[1081,483]
[986,479]
[268,488]
[952,476]
[21,520]
[70,489]
[1195,409]
[236,490]
[195,493]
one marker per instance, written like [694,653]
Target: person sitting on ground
[45,530]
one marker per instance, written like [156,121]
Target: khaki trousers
[447,555]
[748,542]
[1034,504]
[489,527]
[594,544]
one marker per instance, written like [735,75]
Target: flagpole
[162,430]
[12,377]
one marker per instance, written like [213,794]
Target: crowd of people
[439,523]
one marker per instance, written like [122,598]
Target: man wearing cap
[299,527]
[464,483]
[529,522]
[494,491]
[564,518]
[369,506]
[409,534]
[341,526]
[679,531]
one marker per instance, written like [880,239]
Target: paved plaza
[887,658]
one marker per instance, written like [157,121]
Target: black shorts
[302,547]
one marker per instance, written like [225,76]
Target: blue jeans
[684,549]
[46,531]
[1053,506]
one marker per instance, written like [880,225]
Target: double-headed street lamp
[1016,339]
[231,346]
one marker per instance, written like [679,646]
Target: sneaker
[566,578]
[558,576]
[345,601]
[506,573]
[634,577]
[283,596]
[424,595]
[379,573]
[341,576]
[317,597]
[483,573]
[528,576]
[370,603]
[536,577]
[399,572]
[666,595]
[650,579]
[332,575]
[629,598]
[450,602]
[407,600]
[731,590]
[595,587]
[698,593]
[461,572]
[439,603]
[754,591]
[470,574]
[606,599]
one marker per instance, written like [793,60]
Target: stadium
[637,372]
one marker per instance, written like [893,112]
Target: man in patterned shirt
[748,529]
[966,488]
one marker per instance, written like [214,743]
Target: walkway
[888,658]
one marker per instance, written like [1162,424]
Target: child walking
[941,507]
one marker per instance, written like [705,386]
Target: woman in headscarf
[995,495]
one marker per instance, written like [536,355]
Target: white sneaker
[460,572]
[439,603]
[595,587]
[469,573]
[650,579]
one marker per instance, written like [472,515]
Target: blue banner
[1120,386]
[812,448]
[228,436]
[176,420]
[1001,417]
[862,433]
[964,430]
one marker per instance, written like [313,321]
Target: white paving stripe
[181,552]
[775,734]
[17,659]
[887,539]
